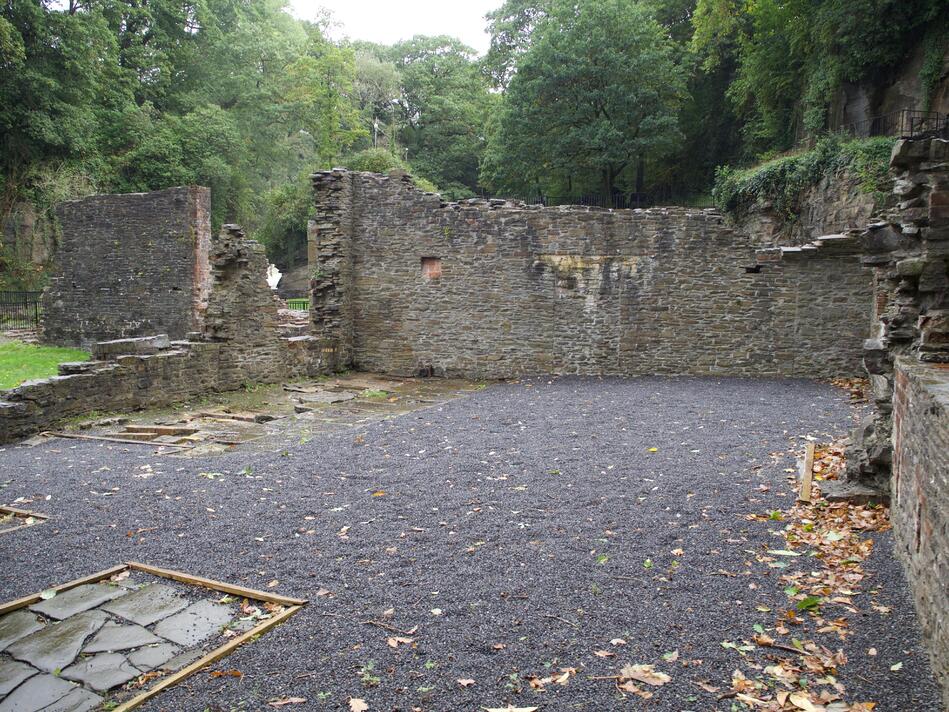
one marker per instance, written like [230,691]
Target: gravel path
[520,529]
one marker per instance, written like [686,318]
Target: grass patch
[21,362]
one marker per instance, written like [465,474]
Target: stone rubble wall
[241,343]
[527,289]
[129,265]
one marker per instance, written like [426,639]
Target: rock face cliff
[836,204]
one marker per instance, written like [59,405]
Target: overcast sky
[388,21]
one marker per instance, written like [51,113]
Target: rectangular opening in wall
[431,268]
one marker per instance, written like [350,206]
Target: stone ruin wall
[129,265]
[525,289]
[902,450]
[240,342]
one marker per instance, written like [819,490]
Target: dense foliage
[574,97]
[782,181]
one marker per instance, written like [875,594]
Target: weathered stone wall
[129,265]
[242,342]
[524,289]
[920,497]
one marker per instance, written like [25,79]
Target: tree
[444,105]
[597,90]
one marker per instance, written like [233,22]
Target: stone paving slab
[102,672]
[79,599]
[56,646]
[16,625]
[150,657]
[78,700]
[148,605]
[114,637]
[196,623]
[12,673]
[37,693]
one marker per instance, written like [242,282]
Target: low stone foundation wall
[171,372]
[920,498]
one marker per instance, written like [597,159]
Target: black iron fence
[19,310]
[906,123]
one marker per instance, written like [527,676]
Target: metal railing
[19,310]
[298,304]
[905,123]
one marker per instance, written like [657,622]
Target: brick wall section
[571,290]
[129,265]
[920,502]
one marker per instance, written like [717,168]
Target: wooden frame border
[22,513]
[293,605]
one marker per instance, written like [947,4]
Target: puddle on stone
[98,645]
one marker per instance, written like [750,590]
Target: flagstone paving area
[518,545]
[99,644]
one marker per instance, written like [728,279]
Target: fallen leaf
[629,686]
[677,552]
[47,594]
[617,641]
[357,704]
[671,657]
[396,640]
[510,708]
[464,682]
[801,701]
[872,652]
[604,654]
[644,673]
[273,584]
[897,667]
[288,701]
[705,685]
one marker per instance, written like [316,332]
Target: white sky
[388,21]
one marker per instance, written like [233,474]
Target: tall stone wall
[920,496]
[129,265]
[406,283]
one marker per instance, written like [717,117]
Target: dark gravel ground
[498,510]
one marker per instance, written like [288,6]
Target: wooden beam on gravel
[807,474]
[76,436]
[217,585]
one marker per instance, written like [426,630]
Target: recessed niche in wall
[431,267]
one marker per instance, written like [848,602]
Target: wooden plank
[807,473]
[217,585]
[36,597]
[211,657]
[23,512]
[76,436]
[161,429]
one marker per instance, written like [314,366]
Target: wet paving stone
[56,646]
[102,672]
[196,623]
[78,700]
[148,605]
[77,600]
[16,625]
[37,693]
[12,673]
[114,637]
[180,661]
[150,657]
